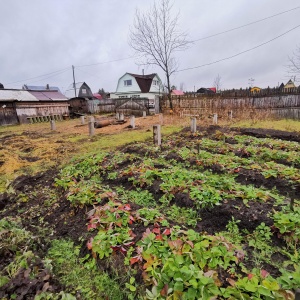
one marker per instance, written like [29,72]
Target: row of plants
[136,221]
[261,154]
[266,142]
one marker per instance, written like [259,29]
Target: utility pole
[74,84]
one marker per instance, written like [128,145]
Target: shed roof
[177,92]
[98,96]
[22,95]
[48,95]
[18,95]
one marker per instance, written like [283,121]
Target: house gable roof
[144,81]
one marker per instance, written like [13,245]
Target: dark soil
[46,221]
[45,211]
[215,219]
[252,177]
[272,133]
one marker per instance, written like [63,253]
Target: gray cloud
[39,37]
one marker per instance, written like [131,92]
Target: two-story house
[139,86]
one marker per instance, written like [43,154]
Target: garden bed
[211,215]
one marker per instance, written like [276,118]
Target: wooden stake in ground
[52,125]
[161,119]
[91,128]
[157,134]
[132,122]
[193,125]
[215,119]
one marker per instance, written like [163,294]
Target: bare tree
[217,83]
[294,63]
[156,38]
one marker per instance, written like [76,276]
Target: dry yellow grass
[32,148]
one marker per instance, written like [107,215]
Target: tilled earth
[42,206]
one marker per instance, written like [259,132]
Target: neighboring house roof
[22,95]
[177,93]
[98,96]
[206,90]
[40,87]
[213,89]
[1,86]
[144,81]
[290,84]
[69,93]
[255,89]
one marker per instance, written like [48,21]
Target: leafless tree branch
[155,36]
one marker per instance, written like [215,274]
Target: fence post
[52,125]
[91,128]
[132,122]
[82,120]
[193,125]
[91,119]
[215,119]
[157,134]
[161,119]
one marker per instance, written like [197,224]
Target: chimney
[47,87]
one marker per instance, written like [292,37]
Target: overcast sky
[41,37]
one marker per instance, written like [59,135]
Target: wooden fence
[127,106]
[283,106]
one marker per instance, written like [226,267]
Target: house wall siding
[156,88]
[134,88]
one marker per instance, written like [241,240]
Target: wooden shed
[17,106]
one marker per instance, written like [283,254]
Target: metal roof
[21,95]
[40,87]
[16,95]
[48,95]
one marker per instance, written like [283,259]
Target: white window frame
[128,82]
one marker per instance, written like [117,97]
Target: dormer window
[128,82]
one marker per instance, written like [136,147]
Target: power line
[232,56]
[23,80]
[251,23]
[101,63]
[64,71]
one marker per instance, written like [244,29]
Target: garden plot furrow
[179,229]
[261,154]
[248,173]
[266,142]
